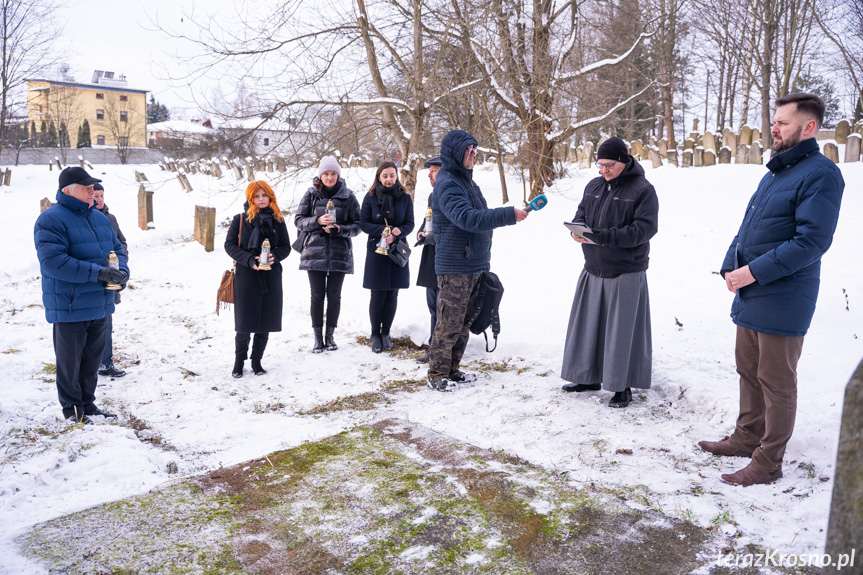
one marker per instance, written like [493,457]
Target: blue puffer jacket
[73,241]
[788,226]
[461,218]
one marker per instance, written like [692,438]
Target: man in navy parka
[773,267]
[463,227]
[73,242]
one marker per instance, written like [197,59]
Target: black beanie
[613,149]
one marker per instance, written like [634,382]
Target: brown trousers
[767,365]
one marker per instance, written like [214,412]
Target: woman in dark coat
[327,253]
[257,292]
[386,204]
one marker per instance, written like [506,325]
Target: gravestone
[843,129]
[687,159]
[724,155]
[729,140]
[57,161]
[81,161]
[742,156]
[709,157]
[698,157]
[689,144]
[184,181]
[573,155]
[672,157]
[215,169]
[852,148]
[708,141]
[756,154]
[7,177]
[238,172]
[756,134]
[579,153]
[663,148]
[280,165]
[250,173]
[745,136]
[205,227]
[654,156]
[845,527]
[831,151]
[589,154]
[637,150]
[145,207]
[44,204]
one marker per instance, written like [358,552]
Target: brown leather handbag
[225,294]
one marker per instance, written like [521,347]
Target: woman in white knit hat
[327,252]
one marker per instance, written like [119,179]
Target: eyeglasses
[471,150]
[606,166]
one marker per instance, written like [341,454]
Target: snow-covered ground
[178,354]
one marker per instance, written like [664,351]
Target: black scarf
[386,197]
[263,227]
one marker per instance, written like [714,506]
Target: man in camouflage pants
[463,227]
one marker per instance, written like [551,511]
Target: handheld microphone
[537,203]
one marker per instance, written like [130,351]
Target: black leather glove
[111,275]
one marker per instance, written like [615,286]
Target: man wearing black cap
[608,340]
[73,242]
[427,277]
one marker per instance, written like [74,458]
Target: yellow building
[115,113]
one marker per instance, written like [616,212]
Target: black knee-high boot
[241,351]
[330,342]
[258,347]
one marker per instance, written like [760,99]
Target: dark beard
[788,144]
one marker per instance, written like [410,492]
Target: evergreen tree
[64,136]
[43,135]
[157,112]
[84,135]
[34,135]
[49,138]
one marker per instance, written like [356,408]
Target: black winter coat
[322,251]
[257,294]
[380,271]
[624,215]
[427,277]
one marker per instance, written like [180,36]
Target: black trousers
[326,285]
[78,348]
[382,310]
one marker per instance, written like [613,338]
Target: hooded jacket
[322,251]
[462,222]
[73,242]
[788,225]
[624,215]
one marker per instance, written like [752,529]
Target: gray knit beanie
[329,164]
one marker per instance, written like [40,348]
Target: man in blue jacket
[773,267]
[463,227]
[73,242]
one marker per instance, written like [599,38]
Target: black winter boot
[319,339]
[386,342]
[330,342]
[259,344]
[237,372]
[377,345]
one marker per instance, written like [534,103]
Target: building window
[124,98]
[100,96]
[100,114]
[100,140]
[266,141]
[123,141]
[124,116]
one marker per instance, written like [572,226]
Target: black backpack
[484,313]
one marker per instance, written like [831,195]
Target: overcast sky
[124,41]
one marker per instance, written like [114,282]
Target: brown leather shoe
[722,448]
[751,475]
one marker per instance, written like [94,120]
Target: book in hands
[580,229]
